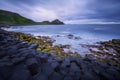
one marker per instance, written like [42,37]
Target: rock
[68,78]
[70,36]
[2,54]
[56,76]
[31,61]
[5,62]
[44,55]
[33,46]
[113,72]
[28,53]
[54,64]
[74,67]
[77,38]
[89,76]
[46,69]
[65,63]
[41,76]
[116,41]
[50,60]
[17,60]
[106,76]
[1,78]
[32,65]
[78,76]
[72,59]
[1,37]
[20,74]
[78,61]
[12,50]
[6,72]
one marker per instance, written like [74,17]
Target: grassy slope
[10,18]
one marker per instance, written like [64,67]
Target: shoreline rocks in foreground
[20,60]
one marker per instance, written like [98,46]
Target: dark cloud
[105,10]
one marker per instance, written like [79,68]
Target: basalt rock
[25,63]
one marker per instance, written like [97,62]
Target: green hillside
[10,18]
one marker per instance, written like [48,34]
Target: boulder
[70,36]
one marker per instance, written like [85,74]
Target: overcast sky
[69,11]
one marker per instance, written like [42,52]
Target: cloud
[89,21]
[74,11]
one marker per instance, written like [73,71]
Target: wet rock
[1,37]
[2,54]
[70,36]
[20,74]
[77,38]
[65,63]
[44,55]
[68,78]
[78,75]
[32,65]
[1,78]
[116,41]
[106,76]
[113,72]
[56,76]
[74,67]
[41,76]
[6,72]
[31,61]
[33,46]
[89,76]
[54,64]
[43,58]
[46,69]
[5,62]
[12,50]
[17,60]
[21,61]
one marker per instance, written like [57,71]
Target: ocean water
[73,35]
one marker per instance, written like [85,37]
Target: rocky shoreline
[23,60]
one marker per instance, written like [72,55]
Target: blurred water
[89,33]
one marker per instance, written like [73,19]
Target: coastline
[21,53]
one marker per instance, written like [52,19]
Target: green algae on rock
[45,45]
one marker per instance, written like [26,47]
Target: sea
[74,35]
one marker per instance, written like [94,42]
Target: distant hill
[54,22]
[57,22]
[10,18]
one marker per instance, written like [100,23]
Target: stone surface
[41,76]
[20,74]
[20,61]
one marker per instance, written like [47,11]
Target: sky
[69,11]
